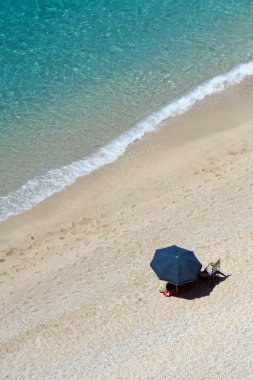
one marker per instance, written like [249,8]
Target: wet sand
[78,298]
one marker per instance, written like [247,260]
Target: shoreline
[78,297]
[36,190]
[171,133]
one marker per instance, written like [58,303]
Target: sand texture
[78,298]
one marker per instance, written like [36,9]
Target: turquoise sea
[81,79]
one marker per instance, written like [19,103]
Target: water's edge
[36,190]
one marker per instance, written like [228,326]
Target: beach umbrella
[175,265]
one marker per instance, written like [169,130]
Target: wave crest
[36,190]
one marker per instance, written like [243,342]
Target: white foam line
[36,190]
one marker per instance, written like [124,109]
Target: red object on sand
[167,293]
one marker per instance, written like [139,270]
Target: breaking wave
[36,190]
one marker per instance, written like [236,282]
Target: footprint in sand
[10,252]
[84,221]
[19,269]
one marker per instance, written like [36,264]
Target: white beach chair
[210,271]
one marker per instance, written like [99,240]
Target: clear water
[76,74]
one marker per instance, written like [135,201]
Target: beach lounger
[210,271]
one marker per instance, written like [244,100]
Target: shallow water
[77,74]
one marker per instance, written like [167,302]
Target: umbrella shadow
[200,288]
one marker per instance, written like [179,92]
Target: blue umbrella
[175,265]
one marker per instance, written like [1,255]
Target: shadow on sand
[200,288]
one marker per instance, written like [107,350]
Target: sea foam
[36,190]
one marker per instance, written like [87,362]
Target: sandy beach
[78,297]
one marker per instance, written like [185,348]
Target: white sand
[78,298]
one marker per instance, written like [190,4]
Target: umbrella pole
[176,290]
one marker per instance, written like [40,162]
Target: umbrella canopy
[175,265]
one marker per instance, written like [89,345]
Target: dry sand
[78,298]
